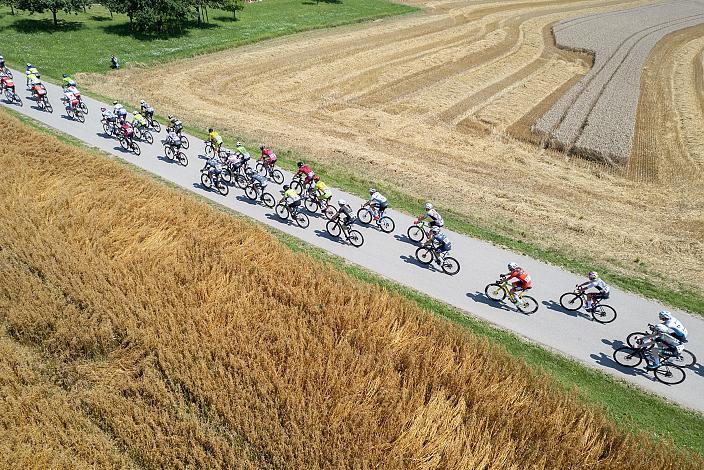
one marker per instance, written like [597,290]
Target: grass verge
[630,408]
[84,42]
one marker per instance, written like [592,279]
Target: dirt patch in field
[429,104]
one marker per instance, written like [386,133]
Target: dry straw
[142,328]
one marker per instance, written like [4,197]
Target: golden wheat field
[440,104]
[141,328]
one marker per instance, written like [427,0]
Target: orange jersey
[523,278]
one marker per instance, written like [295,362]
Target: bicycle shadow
[615,344]
[607,361]
[243,198]
[327,236]
[275,217]
[122,149]
[164,158]
[556,307]
[480,297]
[414,261]
[403,238]
[104,135]
[697,369]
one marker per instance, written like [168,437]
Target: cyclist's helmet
[114,103]
[142,102]
[210,130]
[65,75]
[238,144]
[341,202]
[316,178]
[286,187]
[102,110]
[169,117]
[665,315]
[435,230]
[372,190]
[299,164]
[428,206]
[29,66]
[2,58]
[593,275]
[261,147]
[512,266]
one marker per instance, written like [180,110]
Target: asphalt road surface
[573,334]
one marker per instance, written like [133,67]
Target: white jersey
[435,217]
[599,285]
[378,198]
[676,326]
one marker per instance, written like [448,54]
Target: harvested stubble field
[140,328]
[430,104]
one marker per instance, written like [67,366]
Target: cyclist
[523,280]
[268,157]
[67,81]
[176,124]
[6,82]
[304,169]
[172,139]
[31,70]
[138,120]
[2,63]
[119,111]
[323,192]
[70,100]
[38,89]
[433,215]
[32,81]
[377,201]
[214,168]
[258,180]
[242,151]
[215,139]
[293,200]
[127,131]
[344,213]
[596,283]
[670,332]
[146,109]
[439,241]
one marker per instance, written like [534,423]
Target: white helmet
[372,190]
[142,102]
[593,275]
[341,202]
[428,206]
[512,266]
[238,143]
[665,315]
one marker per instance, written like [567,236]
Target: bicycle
[283,211]
[297,183]
[142,133]
[236,171]
[667,372]
[367,213]
[43,102]
[419,231]
[110,127]
[499,290]
[76,114]
[210,149]
[154,124]
[601,313]
[176,154]
[270,171]
[426,254]
[336,228]
[313,203]
[13,97]
[255,191]
[129,144]
[685,358]
[215,183]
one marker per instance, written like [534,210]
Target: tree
[232,5]
[9,3]
[54,6]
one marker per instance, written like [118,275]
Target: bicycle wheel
[19,102]
[259,167]
[628,357]
[79,116]
[311,204]
[685,359]
[123,143]
[282,211]
[184,141]
[356,239]
[571,301]
[9,95]
[182,158]
[135,148]
[415,233]
[277,176]
[329,211]
[107,128]
[155,125]
[169,152]
[387,224]
[241,181]
[450,265]
[296,185]
[148,136]
[424,255]
[604,313]
[268,200]
[83,107]
[333,228]
[302,220]
[527,305]
[222,188]
[251,193]
[205,180]
[495,292]
[634,339]
[670,374]
[208,149]
[364,215]
[226,175]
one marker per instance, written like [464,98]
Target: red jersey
[305,169]
[523,278]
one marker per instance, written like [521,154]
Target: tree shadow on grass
[334,2]
[225,19]
[100,18]
[124,29]
[44,25]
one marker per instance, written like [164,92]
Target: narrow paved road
[573,334]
